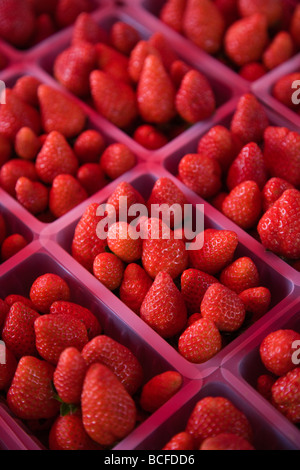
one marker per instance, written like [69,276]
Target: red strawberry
[108,411]
[166,52]
[135,285]
[47,289]
[44,28]
[155,92]
[60,113]
[246,39]
[109,269]
[264,386]
[11,171]
[124,37]
[276,351]
[253,71]
[218,144]
[55,158]
[137,59]
[12,245]
[194,318]
[229,10]
[91,177]
[73,66]
[117,358]
[177,72]
[273,190]
[195,99]
[107,54]
[286,396]
[242,274]
[272,9]
[163,308]
[194,284]
[295,26]
[249,165]
[278,226]
[158,390]
[112,97]
[124,195]
[200,342]
[283,90]
[86,244]
[116,160]
[27,144]
[215,415]
[32,195]
[65,194]
[69,375]
[204,25]
[257,301]
[68,433]
[279,51]
[8,366]
[30,395]
[226,441]
[181,441]
[13,298]
[218,200]
[172,13]
[249,121]
[122,242]
[86,29]
[17,22]
[244,205]
[149,137]
[84,314]
[5,149]
[88,146]
[55,333]
[201,174]
[217,252]
[68,10]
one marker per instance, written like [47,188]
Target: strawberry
[163,308]
[86,29]
[122,242]
[60,113]
[135,285]
[124,194]
[30,395]
[194,284]
[55,333]
[246,39]
[55,158]
[109,269]
[17,22]
[283,90]
[65,194]
[116,160]
[13,298]
[276,351]
[243,205]
[195,99]
[27,144]
[159,389]
[224,307]
[264,386]
[16,114]
[113,99]
[226,441]
[204,25]
[68,433]
[279,51]
[14,169]
[32,195]
[273,190]
[5,149]
[137,59]
[286,397]
[69,375]
[242,274]
[286,165]
[278,226]
[86,244]
[181,441]
[108,411]
[177,72]
[249,121]
[107,55]
[91,177]
[200,341]
[194,318]
[257,301]
[12,245]
[249,165]
[229,10]
[46,289]
[89,146]
[8,367]
[218,144]
[149,137]
[68,10]
[216,415]
[295,26]
[117,358]
[166,52]
[272,9]
[45,27]
[124,37]
[73,66]
[201,174]
[217,252]
[84,314]
[172,13]
[46,7]
[253,71]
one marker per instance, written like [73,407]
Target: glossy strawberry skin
[194,284]
[226,441]
[34,196]
[181,441]
[65,194]
[243,205]
[135,285]
[276,351]
[47,289]
[68,433]
[242,274]
[158,390]
[273,190]
[91,322]
[109,270]
[69,375]
[201,174]
[200,342]
[219,145]
[286,397]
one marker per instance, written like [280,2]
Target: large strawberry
[276,351]
[273,190]
[279,51]
[117,159]
[286,396]
[122,198]
[84,314]
[272,9]
[124,37]
[200,341]
[242,274]
[17,22]
[46,289]
[137,59]
[201,174]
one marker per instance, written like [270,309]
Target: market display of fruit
[121,329]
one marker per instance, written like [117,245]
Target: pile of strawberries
[10,244]
[250,172]
[280,386]
[284,89]
[64,376]
[196,299]
[250,36]
[50,161]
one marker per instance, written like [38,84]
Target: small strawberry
[65,194]
[91,177]
[163,308]
[44,28]
[116,160]
[69,375]
[122,242]
[218,200]
[181,441]
[32,195]
[242,274]
[68,10]
[68,433]
[117,358]
[172,13]
[279,51]
[295,26]
[108,411]
[46,289]
[194,318]
[166,52]
[27,144]
[13,298]
[243,205]
[194,284]
[30,395]
[135,285]
[276,351]
[84,314]
[8,367]
[253,71]
[204,25]
[200,341]
[124,195]
[159,389]
[177,72]
[226,441]
[218,144]
[229,10]
[137,59]
[17,22]
[257,301]
[109,269]
[286,396]
[283,90]
[149,137]
[14,169]
[89,146]
[12,245]
[264,386]
[107,54]
[272,9]
[124,37]
[273,190]
[86,29]
[201,174]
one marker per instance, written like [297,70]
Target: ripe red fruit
[68,10]
[244,205]
[86,29]
[27,144]
[84,314]
[47,289]
[123,197]
[17,22]
[226,441]
[166,52]
[122,242]
[253,71]
[12,170]
[13,298]
[272,9]
[12,245]
[109,269]
[149,137]
[201,174]
[273,190]
[124,37]
[181,441]
[89,146]
[200,342]
[68,433]
[283,90]
[135,285]
[276,351]
[26,88]
[137,58]
[172,13]
[65,194]
[69,375]
[194,284]
[257,301]
[264,386]
[295,26]
[159,389]
[286,396]
[116,160]
[218,144]
[242,274]
[8,367]
[91,177]
[279,51]
[32,195]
